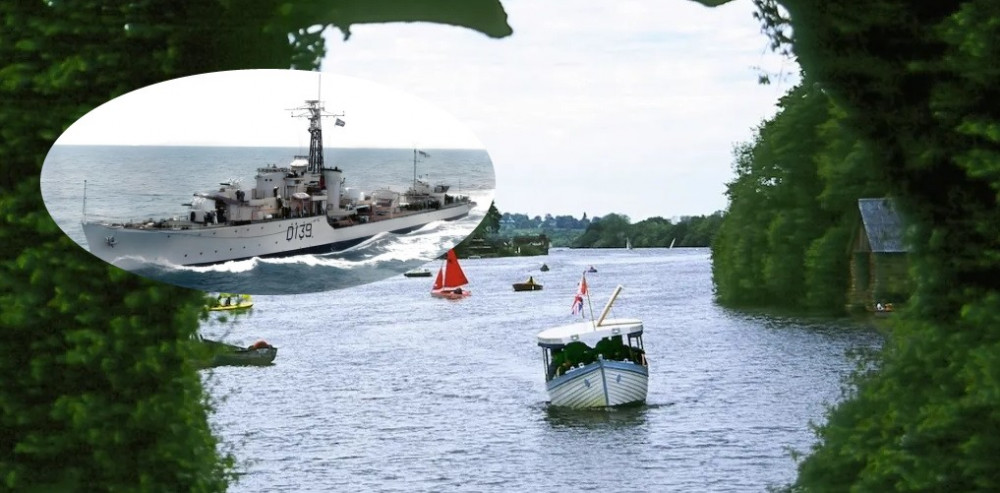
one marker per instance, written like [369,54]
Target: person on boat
[457,291]
[558,358]
[563,368]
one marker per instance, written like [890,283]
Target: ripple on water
[381,388]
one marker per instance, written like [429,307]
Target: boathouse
[879,257]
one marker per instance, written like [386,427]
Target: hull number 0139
[299,231]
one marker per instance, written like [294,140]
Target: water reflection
[597,418]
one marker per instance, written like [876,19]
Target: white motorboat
[598,363]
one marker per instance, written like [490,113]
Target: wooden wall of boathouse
[879,257]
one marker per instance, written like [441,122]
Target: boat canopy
[586,332]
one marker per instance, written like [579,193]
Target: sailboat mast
[414,170]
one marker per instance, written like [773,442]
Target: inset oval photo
[267,182]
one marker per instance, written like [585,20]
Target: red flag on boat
[580,293]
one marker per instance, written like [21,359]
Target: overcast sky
[596,106]
[254,108]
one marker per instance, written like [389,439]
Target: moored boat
[300,208]
[220,353]
[598,363]
[545,268]
[451,281]
[232,302]
[529,285]
[422,272]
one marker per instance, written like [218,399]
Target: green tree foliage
[98,391]
[612,230]
[793,208]
[491,222]
[609,231]
[918,84]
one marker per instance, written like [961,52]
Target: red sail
[453,275]
[438,284]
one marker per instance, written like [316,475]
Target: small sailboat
[451,281]
[229,301]
[628,243]
[593,364]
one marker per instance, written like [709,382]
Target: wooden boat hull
[523,286]
[603,383]
[225,354]
[246,357]
[449,295]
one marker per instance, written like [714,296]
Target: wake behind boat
[297,209]
[595,364]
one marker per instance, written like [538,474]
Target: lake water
[133,183]
[382,388]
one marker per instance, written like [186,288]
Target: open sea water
[383,388]
[133,183]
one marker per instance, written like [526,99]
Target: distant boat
[219,353]
[451,281]
[529,285]
[228,301]
[545,268]
[672,242]
[591,269]
[628,244]
[418,273]
[610,372]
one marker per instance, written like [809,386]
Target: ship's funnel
[333,179]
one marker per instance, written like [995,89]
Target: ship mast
[314,111]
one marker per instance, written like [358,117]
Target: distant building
[879,257]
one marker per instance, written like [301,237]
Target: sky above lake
[258,108]
[591,106]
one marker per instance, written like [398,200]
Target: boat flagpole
[589,303]
[607,308]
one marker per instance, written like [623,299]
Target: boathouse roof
[883,225]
